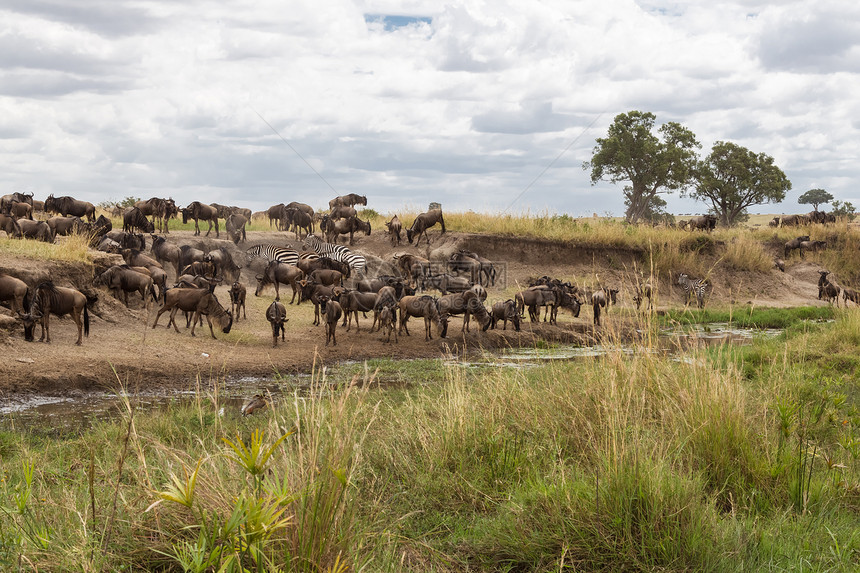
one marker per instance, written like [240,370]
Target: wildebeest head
[29,322]
[409,235]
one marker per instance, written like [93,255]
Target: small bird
[258,402]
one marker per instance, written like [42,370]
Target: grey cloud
[821,44]
[531,118]
[17,52]
[103,17]
[51,84]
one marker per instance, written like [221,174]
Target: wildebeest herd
[330,275]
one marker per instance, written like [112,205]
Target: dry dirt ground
[123,346]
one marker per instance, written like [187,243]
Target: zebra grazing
[357,263]
[274,253]
[692,287]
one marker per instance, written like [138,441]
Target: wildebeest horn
[259,277]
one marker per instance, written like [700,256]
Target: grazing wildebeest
[238,292]
[813,246]
[276,314]
[704,222]
[505,310]
[603,298]
[133,218]
[850,294]
[348,200]
[165,252]
[15,291]
[352,302]
[827,290]
[225,266]
[422,306]
[59,301]
[332,311]
[394,227]
[128,240]
[693,287]
[277,273]
[38,230]
[70,206]
[123,278]
[794,244]
[200,302]
[235,226]
[388,322]
[423,222]
[466,303]
[197,210]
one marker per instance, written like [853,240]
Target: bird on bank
[258,402]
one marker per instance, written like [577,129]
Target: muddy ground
[122,346]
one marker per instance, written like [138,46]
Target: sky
[484,106]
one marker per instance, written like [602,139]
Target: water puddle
[70,412]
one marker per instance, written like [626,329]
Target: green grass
[751,317]
[731,459]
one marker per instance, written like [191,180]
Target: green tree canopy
[846,210]
[732,178]
[815,197]
[632,152]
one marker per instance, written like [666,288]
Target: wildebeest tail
[27,299]
[152,292]
[86,321]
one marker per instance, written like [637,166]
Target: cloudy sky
[488,106]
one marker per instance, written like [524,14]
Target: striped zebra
[692,287]
[356,262]
[274,253]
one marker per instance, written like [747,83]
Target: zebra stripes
[692,287]
[274,253]
[340,253]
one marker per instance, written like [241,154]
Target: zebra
[692,287]
[340,253]
[274,253]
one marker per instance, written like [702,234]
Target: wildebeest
[348,200]
[312,291]
[413,267]
[197,210]
[238,292]
[38,230]
[235,226]
[423,222]
[445,283]
[813,246]
[276,314]
[8,224]
[779,264]
[17,197]
[108,245]
[122,278]
[161,211]
[387,322]
[15,291]
[352,302]
[70,206]
[189,254]
[200,302]
[774,222]
[326,277]
[534,298]
[424,306]
[275,213]
[135,258]
[704,222]
[200,269]
[165,252]
[827,290]
[486,271]
[133,218]
[505,311]
[603,298]
[332,312]
[225,266]
[128,240]
[62,226]
[298,220]
[19,209]
[59,301]
[794,220]
[466,303]
[394,227]
[794,244]
[644,291]
[850,294]
[349,225]
[310,262]
[277,273]
[342,212]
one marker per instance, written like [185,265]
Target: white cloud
[466,102]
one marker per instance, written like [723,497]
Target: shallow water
[73,411]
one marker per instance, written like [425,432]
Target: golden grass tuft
[72,248]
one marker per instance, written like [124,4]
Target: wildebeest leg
[216,229]
[76,314]
[316,314]
[173,312]
[161,311]
[46,329]
[404,317]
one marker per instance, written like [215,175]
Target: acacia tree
[732,178]
[815,197]
[632,152]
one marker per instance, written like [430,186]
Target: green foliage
[846,209]
[126,202]
[732,178]
[815,197]
[751,317]
[652,164]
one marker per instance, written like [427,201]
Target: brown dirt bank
[122,345]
